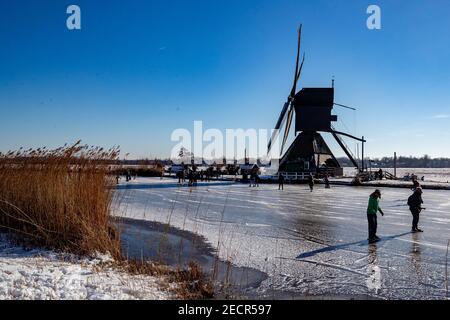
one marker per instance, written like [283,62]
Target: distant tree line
[402,162]
[385,162]
[145,162]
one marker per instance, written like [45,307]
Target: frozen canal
[309,244]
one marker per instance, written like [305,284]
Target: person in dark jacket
[280,181]
[380,174]
[327,182]
[257,180]
[372,209]
[311,182]
[416,184]
[190,176]
[415,206]
[252,179]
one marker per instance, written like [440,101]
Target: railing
[291,176]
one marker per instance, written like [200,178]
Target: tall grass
[59,199]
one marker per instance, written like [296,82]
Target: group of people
[128,176]
[310,182]
[415,206]
[190,175]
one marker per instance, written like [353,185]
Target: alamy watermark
[73,22]
[374,20]
[214,144]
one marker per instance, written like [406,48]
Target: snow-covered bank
[40,274]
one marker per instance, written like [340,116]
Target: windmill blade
[287,108]
[287,128]
[282,114]
[278,124]
[294,87]
[301,67]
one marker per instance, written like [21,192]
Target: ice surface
[308,243]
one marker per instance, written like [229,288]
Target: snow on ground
[44,275]
[308,243]
[430,174]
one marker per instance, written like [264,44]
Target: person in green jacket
[372,209]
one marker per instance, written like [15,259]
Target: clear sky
[140,69]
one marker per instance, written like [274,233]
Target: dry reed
[60,199]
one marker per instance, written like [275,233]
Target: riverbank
[430,185]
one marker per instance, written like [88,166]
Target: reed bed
[60,199]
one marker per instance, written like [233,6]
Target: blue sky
[140,69]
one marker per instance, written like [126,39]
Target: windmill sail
[287,108]
[288,127]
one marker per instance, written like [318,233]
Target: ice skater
[415,206]
[280,181]
[327,182]
[380,174]
[311,182]
[416,184]
[372,209]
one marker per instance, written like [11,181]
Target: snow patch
[46,275]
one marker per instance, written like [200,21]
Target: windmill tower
[312,107]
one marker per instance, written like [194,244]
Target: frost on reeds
[60,199]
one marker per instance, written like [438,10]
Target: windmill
[312,108]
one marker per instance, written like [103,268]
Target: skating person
[311,182]
[190,178]
[415,206]
[380,174]
[327,182]
[256,180]
[280,181]
[416,184]
[372,209]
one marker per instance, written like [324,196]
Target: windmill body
[309,152]
[313,107]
